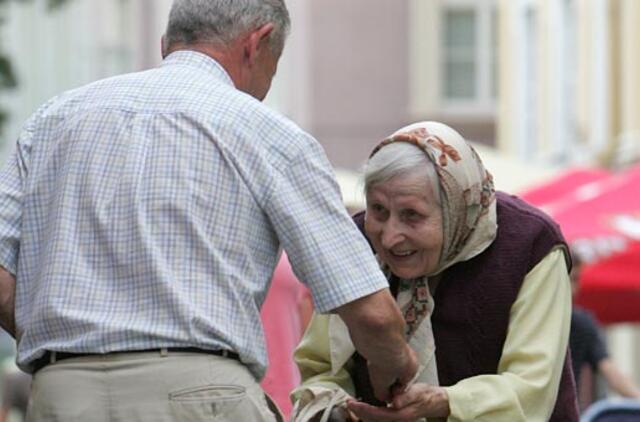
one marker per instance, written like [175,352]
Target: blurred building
[363,68]
[352,72]
[79,42]
[570,81]
[561,77]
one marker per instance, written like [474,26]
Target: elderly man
[143,215]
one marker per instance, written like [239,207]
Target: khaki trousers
[147,386]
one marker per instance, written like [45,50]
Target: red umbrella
[601,221]
[598,219]
[611,288]
[564,184]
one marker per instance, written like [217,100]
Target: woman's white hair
[222,21]
[400,159]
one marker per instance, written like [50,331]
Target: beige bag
[318,400]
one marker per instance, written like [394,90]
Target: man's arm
[377,328]
[7,301]
[617,380]
[329,254]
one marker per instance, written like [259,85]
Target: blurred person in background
[482,279]
[589,350]
[141,219]
[285,315]
[16,386]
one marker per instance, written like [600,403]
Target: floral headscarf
[467,194]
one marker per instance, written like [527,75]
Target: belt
[52,357]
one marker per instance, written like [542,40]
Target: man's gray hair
[222,21]
[400,159]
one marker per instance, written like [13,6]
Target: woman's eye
[379,211]
[411,214]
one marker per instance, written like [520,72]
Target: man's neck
[227,57]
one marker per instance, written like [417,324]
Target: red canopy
[611,288]
[600,209]
[600,218]
[563,185]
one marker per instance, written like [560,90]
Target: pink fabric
[283,326]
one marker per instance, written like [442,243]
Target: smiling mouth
[403,254]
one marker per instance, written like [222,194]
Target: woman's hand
[342,414]
[418,401]
[337,414]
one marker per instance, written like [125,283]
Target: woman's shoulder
[512,208]
[521,226]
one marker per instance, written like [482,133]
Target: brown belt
[46,359]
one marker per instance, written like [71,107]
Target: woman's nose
[392,234]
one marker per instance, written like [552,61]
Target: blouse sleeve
[526,385]
[313,358]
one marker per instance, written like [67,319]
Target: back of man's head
[223,21]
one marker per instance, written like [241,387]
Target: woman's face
[404,223]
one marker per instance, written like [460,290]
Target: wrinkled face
[404,223]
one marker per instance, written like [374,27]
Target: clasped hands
[416,402]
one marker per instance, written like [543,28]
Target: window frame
[486,54]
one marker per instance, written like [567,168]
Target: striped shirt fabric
[149,210]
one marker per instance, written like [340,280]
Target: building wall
[353,72]
[570,80]
[475,119]
[626,80]
[358,75]
[347,74]
[538,62]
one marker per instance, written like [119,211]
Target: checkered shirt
[149,210]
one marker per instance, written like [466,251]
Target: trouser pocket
[207,402]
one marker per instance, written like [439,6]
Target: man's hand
[393,377]
[7,301]
[419,401]
[377,330]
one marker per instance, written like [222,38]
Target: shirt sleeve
[324,246]
[529,371]
[11,194]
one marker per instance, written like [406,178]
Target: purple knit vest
[473,301]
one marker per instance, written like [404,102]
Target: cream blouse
[526,385]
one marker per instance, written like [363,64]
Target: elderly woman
[482,279]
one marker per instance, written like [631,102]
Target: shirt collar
[200,61]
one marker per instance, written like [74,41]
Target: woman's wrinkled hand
[342,414]
[418,401]
[337,414]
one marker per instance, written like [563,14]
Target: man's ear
[256,41]
[163,47]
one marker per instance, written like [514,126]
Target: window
[459,54]
[469,52]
